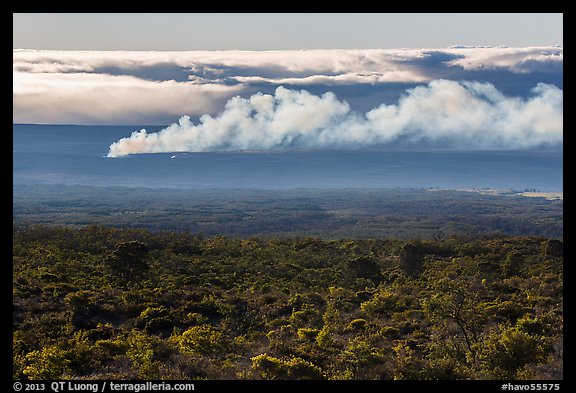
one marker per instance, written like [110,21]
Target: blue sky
[265,31]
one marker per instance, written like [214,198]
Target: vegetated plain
[330,214]
[120,283]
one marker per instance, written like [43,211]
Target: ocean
[76,155]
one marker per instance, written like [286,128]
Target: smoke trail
[456,114]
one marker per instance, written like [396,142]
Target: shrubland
[98,302]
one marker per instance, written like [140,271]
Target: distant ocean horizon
[76,155]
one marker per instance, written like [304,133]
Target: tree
[455,303]
[129,260]
[411,259]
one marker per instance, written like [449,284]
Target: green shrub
[111,348]
[383,303]
[268,367]
[155,320]
[390,332]
[47,363]
[364,267]
[534,326]
[505,352]
[201,339]
[196,318]
[324,338]
[307,333]
[357,324]
[304,317]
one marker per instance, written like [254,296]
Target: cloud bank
[443,113]
[132,87]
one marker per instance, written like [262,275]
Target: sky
[268,81]
[265,31]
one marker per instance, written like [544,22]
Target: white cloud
[90,98]
[127,87]
[513,59]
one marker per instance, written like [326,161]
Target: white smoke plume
[457,114]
